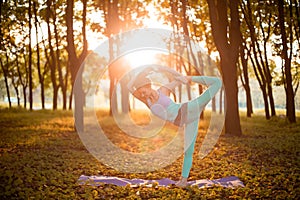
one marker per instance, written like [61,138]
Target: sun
[141,58]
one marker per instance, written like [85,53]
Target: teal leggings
[194,109]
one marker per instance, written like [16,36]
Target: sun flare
[141,58]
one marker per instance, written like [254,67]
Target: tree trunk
[15,85]
[24,81]
[52,60]
[66,80]
[213,101]
[124,96]
[112,95]
[75,62]
[290,96]
[41,78]
[227,37]
[30,60]
[261,64]
[112,23]
[6,82]
[79,101]
[264,60]
[271,99]
[232,119]
[71,98]
[262,84]
[249,100]
[47,63]
[112,79]
[245,79]
[297,20]
[221,101]
[59,68]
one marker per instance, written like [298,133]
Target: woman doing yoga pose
[181,114]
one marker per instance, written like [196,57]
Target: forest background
[255,44]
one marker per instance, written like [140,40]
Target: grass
[41,157]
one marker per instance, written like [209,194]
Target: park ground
[41,157]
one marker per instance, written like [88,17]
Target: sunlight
[153,20]
[150,21]
[142,57]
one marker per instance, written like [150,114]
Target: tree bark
[76,61]
[24,81]
[112,23]
[227,38]
[6,82]
[20,81]
[112,79]
[290,101]
[59,68]
[41,78]
[15,85]
[245,79]
[52,59]
[124,96]
[30,60]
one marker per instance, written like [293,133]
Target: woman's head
[143,87]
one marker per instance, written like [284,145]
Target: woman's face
[145,91]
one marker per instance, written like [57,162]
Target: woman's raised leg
[196,105]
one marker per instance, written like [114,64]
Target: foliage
[42,158]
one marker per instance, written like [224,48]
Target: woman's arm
[178,80]
[166,89]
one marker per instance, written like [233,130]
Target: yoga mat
[228,182]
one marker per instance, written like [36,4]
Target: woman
[181,114]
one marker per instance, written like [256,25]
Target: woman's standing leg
[190,136]
[191,131]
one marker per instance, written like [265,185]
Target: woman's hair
[141,82]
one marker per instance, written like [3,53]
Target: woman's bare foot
[182,182]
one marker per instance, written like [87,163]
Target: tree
[54,49]
[244,56]
[260,31]
[4,71]
[30,58]
[200,29]
[290,96]
[2,49]
[75,60]
[225,24]
[62,80]
[15,47]
[40,74]
[119,15]
[52,59]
